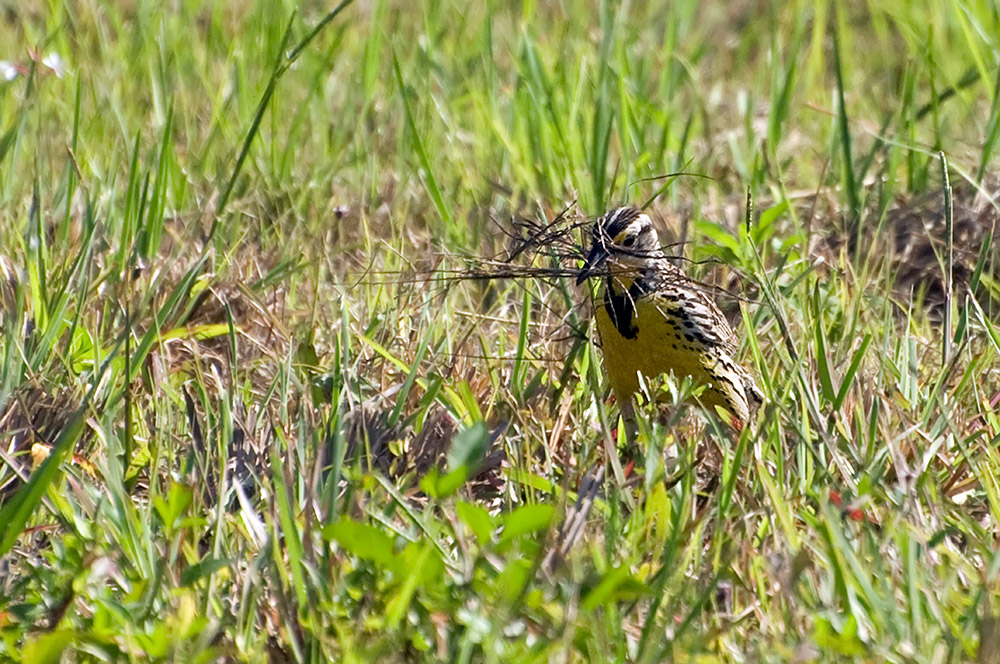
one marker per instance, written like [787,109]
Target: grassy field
[249,411]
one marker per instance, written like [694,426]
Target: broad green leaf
[48,648]
[468,447]
[397,606]
[527,519]
[477,519]
[436,485]
[364,541]
[205,568]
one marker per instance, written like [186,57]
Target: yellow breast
[660,346]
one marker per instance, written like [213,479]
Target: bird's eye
[629,241]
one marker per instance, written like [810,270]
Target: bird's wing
[700,318]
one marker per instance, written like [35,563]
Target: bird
[652,319]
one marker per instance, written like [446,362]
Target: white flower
[8,71]
[55,63]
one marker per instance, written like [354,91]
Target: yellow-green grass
[216,231]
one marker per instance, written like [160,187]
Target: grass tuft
[294,366]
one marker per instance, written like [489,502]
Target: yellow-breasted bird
[653,319]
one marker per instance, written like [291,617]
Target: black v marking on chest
[621,306]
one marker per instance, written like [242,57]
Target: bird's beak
[598,254]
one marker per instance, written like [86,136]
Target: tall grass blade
[949,261]
[850,184]
[427,171]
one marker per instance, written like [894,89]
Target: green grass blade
[427,170]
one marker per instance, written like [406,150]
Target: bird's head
[624,236]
